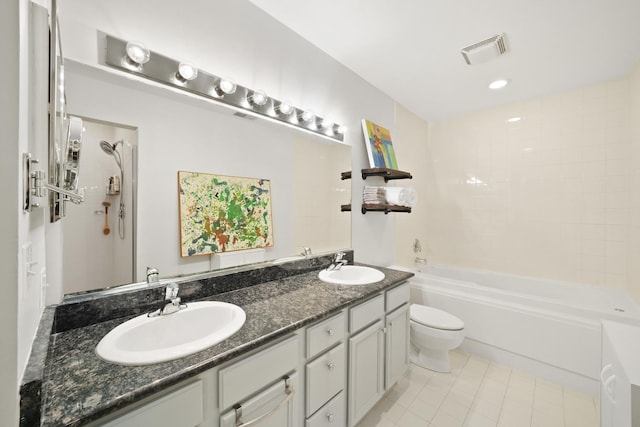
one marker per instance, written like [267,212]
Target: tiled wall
[410,146]
[547,196]
[634,223]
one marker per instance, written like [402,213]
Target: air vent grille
[485,50]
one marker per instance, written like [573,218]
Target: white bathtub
[549,328]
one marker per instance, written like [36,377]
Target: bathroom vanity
[307,351]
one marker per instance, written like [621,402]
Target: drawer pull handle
[330,418]
[288,395]
[330,331]
[330,365]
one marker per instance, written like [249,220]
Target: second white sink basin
[351,275]
[145,340]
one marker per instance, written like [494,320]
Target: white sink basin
[144,340]
[351,275]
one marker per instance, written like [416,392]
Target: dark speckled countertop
[78,386]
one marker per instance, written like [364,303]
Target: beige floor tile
[480,393]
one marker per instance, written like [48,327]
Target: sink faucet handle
[152,275]
[171,291]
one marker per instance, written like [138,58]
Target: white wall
[410,145]
[548,196]
[9,171]
[263,54]
[634,224]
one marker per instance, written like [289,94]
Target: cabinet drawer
[325,334]
[273,407]
[183,407]
[333,414]
[398,296]
[325,378]
[366,313]
[253,373]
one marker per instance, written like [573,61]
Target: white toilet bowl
[433,333]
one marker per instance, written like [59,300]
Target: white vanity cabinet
[182,405]
[378,348]
[263,389]
[620,375]
[325,372]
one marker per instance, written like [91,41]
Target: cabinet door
[397,345]
[366,370]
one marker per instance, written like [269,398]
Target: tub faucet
[153,275]
[171,302]
[338,261]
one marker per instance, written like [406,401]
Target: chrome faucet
[153,275]
[171,302]
[338,261]
[306,252]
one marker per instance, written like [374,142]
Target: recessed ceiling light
[514,119]
[498,84]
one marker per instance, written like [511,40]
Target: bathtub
[545,327]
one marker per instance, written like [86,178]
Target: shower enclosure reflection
[93,256]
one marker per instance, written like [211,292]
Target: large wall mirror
[157,133]
[154,132]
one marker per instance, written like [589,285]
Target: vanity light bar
[168,71]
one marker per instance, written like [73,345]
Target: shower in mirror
[116,184]
[95,255]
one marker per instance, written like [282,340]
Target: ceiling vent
[485,50]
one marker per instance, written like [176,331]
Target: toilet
[433,333]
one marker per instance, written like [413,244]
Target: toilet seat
[434,318]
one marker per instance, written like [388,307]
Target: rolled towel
[395,195]
[410,197]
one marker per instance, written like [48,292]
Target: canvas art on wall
[379,146]
[223,213]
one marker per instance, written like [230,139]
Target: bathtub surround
[283,298]
[548,196]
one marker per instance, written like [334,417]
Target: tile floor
[480,393]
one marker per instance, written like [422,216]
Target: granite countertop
[79,387]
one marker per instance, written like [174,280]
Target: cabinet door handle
[330,331]
[288,395]
[383,330]
[330,418]
[330,365]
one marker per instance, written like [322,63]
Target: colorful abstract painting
[379,146]
[223,213]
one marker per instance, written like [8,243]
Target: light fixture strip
[163,69]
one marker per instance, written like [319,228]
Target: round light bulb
[327,123]
[187,71]
[307,115]
[226,87]
[341,129]
[284,108]
[258,97]
[137,52]
[498,84]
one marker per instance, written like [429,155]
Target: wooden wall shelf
[387,174]
[383,208]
